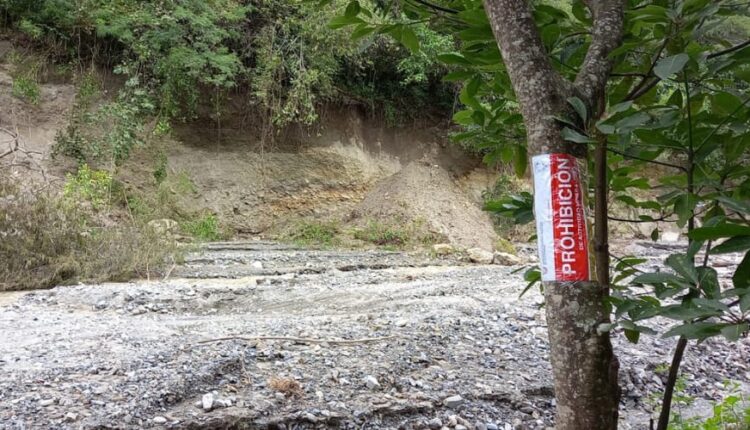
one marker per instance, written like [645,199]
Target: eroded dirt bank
[460,349]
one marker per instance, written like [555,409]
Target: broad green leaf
[343,21]
[734,331]
[709,282]
[683,206]
[453,58]
[409,39]
[352,9]
[683,266]
[719,231]
[361,31]
[688,311]
[520,161]
[632,335]
[699,330]
[741,277]
[735,204]
[666,67]
[574,136]
[734,244]
[656,278]
[580,108]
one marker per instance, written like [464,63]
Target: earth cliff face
[255,183]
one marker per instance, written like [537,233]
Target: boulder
[163,226]
[479,255]
[506,259]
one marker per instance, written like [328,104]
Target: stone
[480,256]
[159,420]
[506,259]
[372,382]
[163,226]
[443,249]
[435,424]
[257,265]
[46,402]
[70,417]
[453,401]
[207,401]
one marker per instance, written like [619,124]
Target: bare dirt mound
[425,194]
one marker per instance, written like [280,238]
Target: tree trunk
[583,364]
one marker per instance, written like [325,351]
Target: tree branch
[634,157]
[729,50]
[539,88]
[436,7]
[606,35]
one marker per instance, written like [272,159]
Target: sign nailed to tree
[560,218]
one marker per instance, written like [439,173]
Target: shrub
[93,186]
[45,241]
[204,228]
[26,89]
[732,413]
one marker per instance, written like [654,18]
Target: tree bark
[583,364]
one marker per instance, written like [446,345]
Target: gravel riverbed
[430,344]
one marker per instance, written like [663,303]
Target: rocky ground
[334,339]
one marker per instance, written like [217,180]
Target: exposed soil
[425,192]
[454,347]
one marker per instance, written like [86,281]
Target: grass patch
[26,89]
[383,234]
[311,233]
[205,228]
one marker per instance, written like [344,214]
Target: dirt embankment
[255,182]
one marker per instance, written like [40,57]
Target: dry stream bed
[454,347]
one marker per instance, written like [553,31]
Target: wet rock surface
[362,339]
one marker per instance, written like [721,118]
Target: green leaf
[683,207]
[620,107]
[452,58]
[361,31]
[683,266]
[352,9]
[733,332]
[655,234]
[734,204]
[458,75]
[741,277]
[580,107]
[343,21]
[699,330]
[688,311]
[709,282]
[520,161]
[574,136]
[409,39]
[656,278]
[632,335]
[734,244]
[666,67]
[719,231]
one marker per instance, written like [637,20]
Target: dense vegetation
[281,53]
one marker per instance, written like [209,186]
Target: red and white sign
[560,218]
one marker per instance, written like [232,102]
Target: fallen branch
[302,339]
